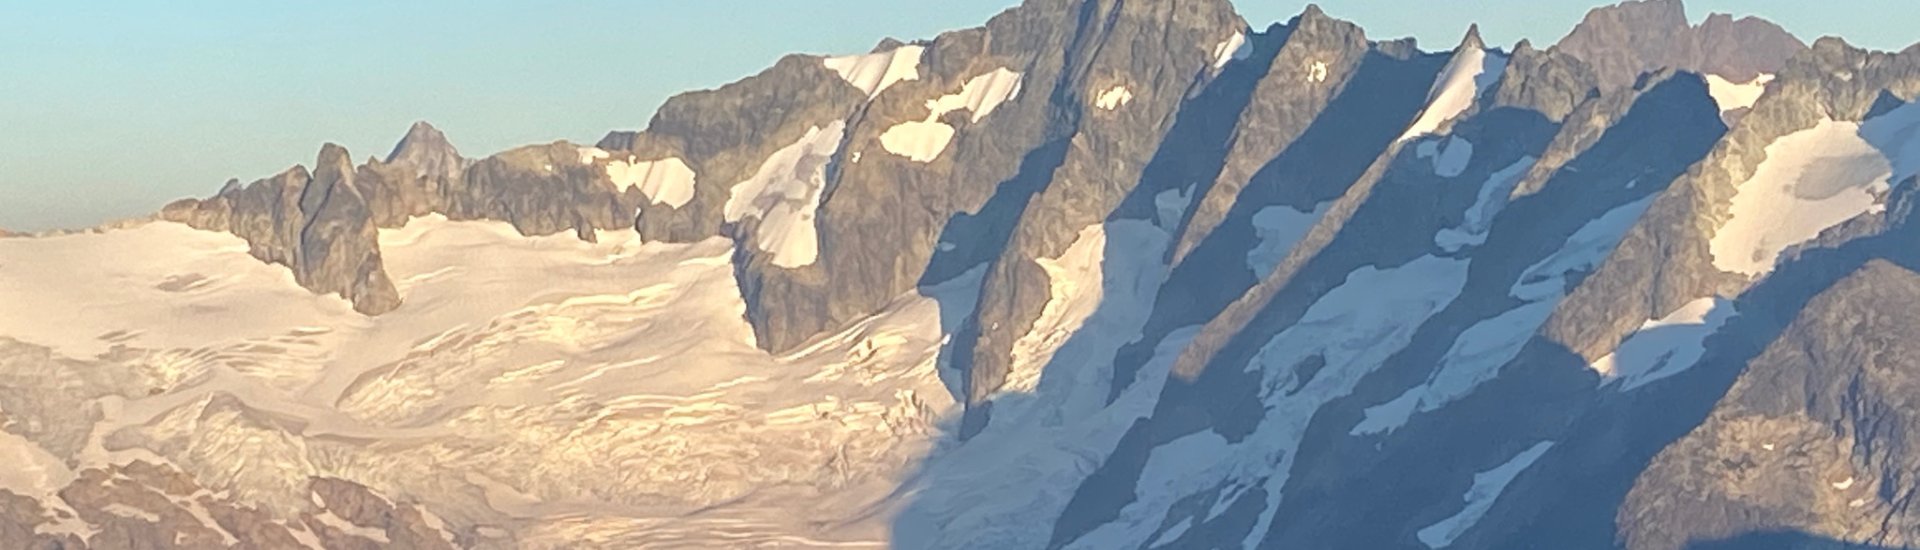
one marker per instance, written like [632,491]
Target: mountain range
[1096,274]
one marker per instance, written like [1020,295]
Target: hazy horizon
[227,89]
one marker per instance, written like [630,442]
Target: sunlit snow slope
[560,390]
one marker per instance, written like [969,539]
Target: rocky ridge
[1199,285]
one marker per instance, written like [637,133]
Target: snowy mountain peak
[1095,274]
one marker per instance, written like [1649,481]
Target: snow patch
[1583,251]
[667,181]
[1466,77]
[1316,72]
[1812,180]
[1044,441]
[1114,98]
[1493,197]
[785,195]
[590,154]
[1486,488]
[1734,96]
[1450,155]
[1666,346]
[1482,349]
[875,72]
[1349,331]
[337,523]
[924,140]
[1234,48]
[1476,357]
[30,470]
[1170,206]
[1278,228]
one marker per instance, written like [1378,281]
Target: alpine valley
[1098,274]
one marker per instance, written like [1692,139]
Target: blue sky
[111,108]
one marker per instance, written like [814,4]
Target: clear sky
[111,108]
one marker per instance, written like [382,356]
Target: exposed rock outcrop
[1623,41]
[1812,438]
[317,223]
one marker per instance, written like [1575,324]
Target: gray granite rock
[1813,437]
[317,223]
[1623,41]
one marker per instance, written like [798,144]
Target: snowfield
[1732,96]
[542,385]
[785,194]
[1466,77]
[1815,179]
[924,140]
[667,181]
[875,72]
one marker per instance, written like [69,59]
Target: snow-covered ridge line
[1466,77]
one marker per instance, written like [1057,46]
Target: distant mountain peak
[1625,40]
[428,151]
[1472,41]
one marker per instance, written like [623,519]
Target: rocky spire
[428,151]
[1472,41]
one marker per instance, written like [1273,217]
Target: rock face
[1811,437]
[1621,42]
[318,223]
[143,505]
[1096,274]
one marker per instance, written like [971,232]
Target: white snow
[666,181]
[919,141]
[1077,285]
[1170,207]
[1475,358]
[1316,72]
[875,72]
[590,154]
[1733,96]
[1353,328]
[1844,484]
[785,195]
[1234,48]
[1278,228]
[1487,487]
[580,375]
[1897,135]
[1450,155]
[337,523]
[1466,77]
[1004,487]
[29,469]
[1812,180]
[88,291]
[1493,197]
[1114,98]
[1666,346]
[1483,348]
[1584,251]
[924,140]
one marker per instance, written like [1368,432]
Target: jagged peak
[1313,11]
[427,149]
[333,156]
[1314,22]
[1472,41]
